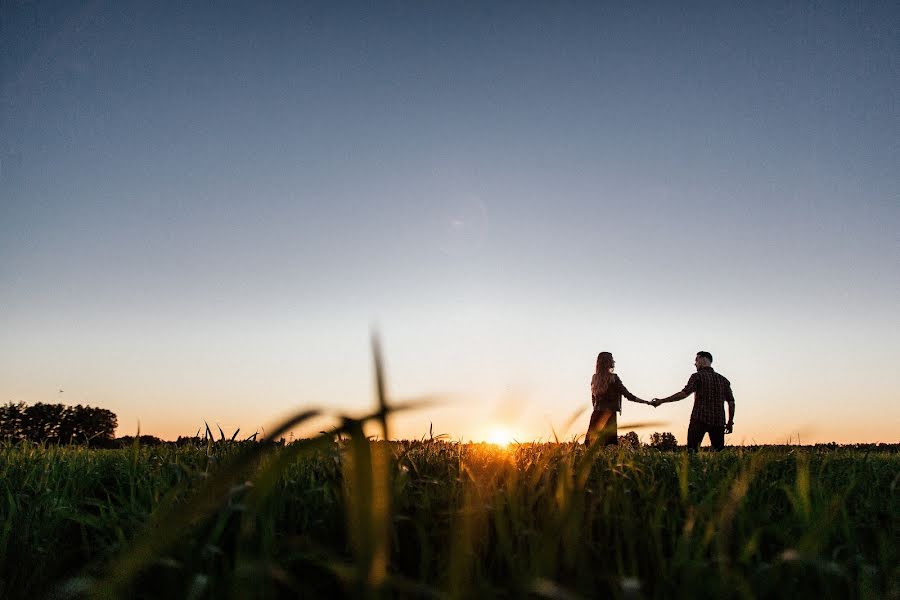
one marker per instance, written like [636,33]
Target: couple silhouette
[711,392]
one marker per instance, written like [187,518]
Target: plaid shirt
[712,392]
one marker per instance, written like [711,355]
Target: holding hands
[654,403]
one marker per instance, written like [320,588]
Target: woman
[606,394]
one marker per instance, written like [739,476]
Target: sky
[207,209]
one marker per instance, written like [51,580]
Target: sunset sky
[204,213]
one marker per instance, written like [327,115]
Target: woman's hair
[602,376]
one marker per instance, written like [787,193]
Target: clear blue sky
[203,211]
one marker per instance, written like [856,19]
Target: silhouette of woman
[606,394]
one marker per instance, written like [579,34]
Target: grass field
[358,518]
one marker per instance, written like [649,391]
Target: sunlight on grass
[345,515]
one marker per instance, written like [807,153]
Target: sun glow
[501,436]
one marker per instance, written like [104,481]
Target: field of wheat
[353,517]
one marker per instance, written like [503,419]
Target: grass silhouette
[342,515]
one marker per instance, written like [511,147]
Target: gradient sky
[204,211]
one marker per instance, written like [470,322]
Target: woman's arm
[624,391]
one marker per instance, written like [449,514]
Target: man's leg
[695,435]
[716,436]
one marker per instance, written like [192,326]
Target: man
[712,391]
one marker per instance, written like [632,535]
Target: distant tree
[11,421]
[663,441]
[630,440]
[40,422]
[95,426]
[143,440]
[57,423]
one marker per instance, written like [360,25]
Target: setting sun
[500,436]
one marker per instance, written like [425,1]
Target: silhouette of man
[711,391]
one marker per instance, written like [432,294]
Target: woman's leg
[595,427]
[598,425]
[610,433]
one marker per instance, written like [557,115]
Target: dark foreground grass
[438,519]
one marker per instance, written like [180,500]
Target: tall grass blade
[641,424]
[380,385]
[571,420]
[168,522]
[366,493]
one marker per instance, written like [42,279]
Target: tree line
[57,424]
[95,427]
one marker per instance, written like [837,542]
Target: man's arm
[687,391]
[673,398]
[729,399]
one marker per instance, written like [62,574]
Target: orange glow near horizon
[462,425]
[500,435]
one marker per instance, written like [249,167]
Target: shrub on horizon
[663,441]
[630,440]
[143,440]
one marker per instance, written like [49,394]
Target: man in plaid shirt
[712,391]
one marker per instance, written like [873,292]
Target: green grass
[439,519]
[433,519]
